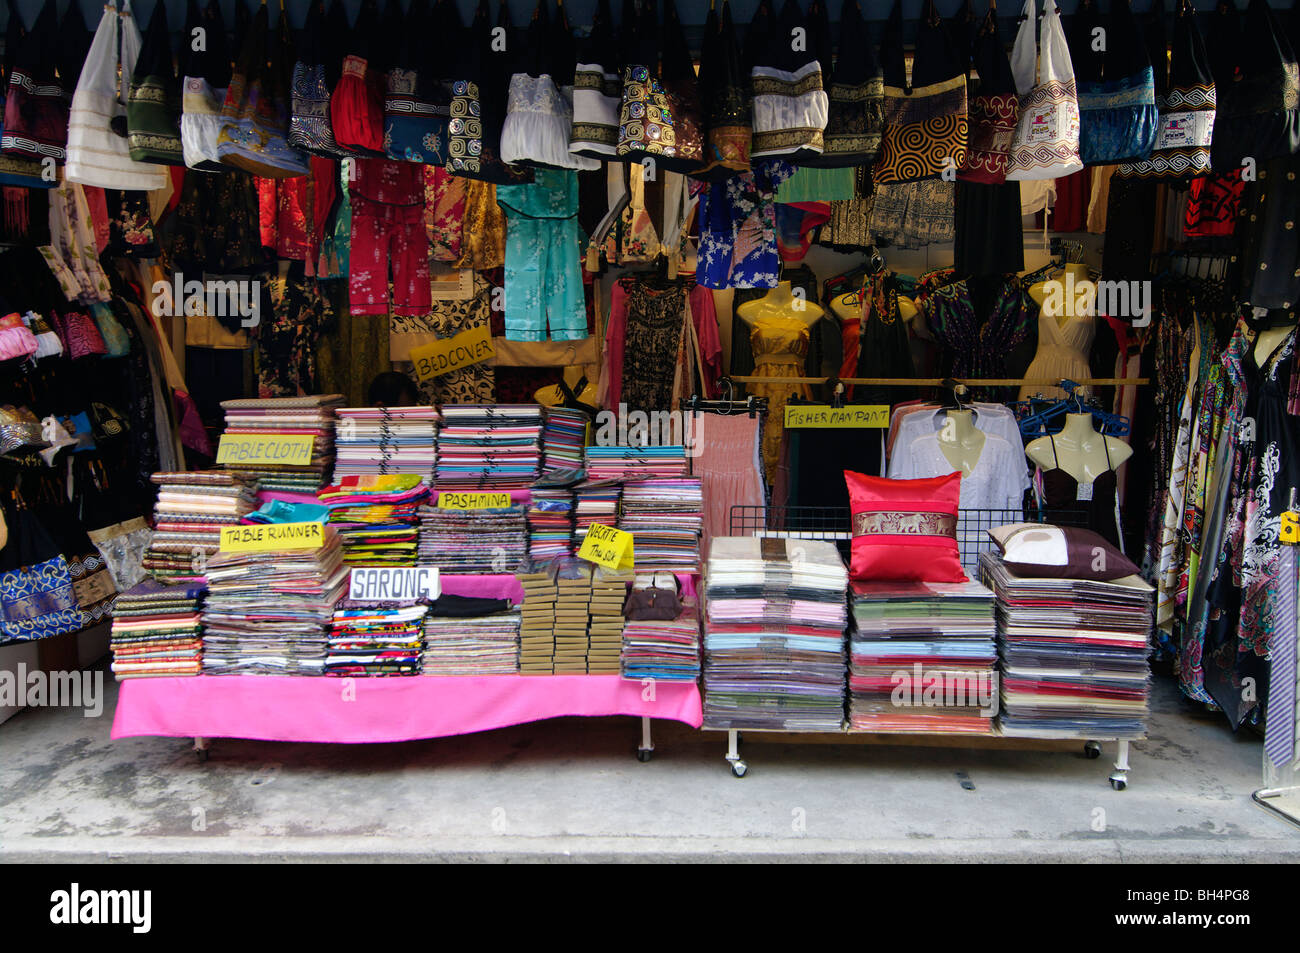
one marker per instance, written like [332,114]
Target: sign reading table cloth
[97,146]
[925,121]
[1047,134]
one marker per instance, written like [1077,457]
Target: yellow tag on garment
[1290,531]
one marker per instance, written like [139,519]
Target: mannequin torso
[1069,294]
[1079,450]
[781,302]
[1269,340]
[961,442]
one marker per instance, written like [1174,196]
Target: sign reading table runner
[442,357]
[473,501]
[861,417]
[280,449]
[272,537]
[608,547]
[394,584]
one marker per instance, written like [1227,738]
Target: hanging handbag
[418,105]
[1186,109]
[207,79]
[790,103]
[116,341]
[14,171]
[357,103]
[92,583]
[1258,114]
[1046,144]
[597,92]
[993,109]
[724,89]
[1117,112]
[120,537]
[640,241]
[36,596]
[926,121]
[855,115]
[255,116]
[309,119]
[36,101]
[98,153]
[153,106]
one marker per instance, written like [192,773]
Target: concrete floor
[571,789]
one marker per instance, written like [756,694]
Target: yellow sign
[862,417]
[473,501]
[271,537]
[277,449]
[1290,530]
[608,547]
[450,354]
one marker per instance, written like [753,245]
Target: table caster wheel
[739,768]
[643,754]
[1118,783]
[202,755]
[1091,750]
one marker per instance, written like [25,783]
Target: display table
[394,708]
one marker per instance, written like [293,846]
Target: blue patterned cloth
[37,601]
[738,246]
[1118,120]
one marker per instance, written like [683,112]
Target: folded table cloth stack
[564,435]
[595,501]
[269,613]
[774,642]
[383,440]
[489,446]
[377,517]
[189,514]
[375,639]
[156,630]
[635,463]
[285,416]
[922,658]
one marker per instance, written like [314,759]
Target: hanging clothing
[914,214]
[978,343]
[1062,352]
[780,346]
[387,201]
[286,344]
[543,259]
[988,236]
[634,300]
[1062,491]
[729,465]
[738,229]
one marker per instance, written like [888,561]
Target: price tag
[1084,493]
[265,448]
[608,547]
[272,537]
[1290,530]
[450,354]
[473,501]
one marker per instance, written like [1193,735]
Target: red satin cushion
[905,530]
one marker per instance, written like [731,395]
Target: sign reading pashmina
[1186,110]
[993,110]
[1259,112]
[790,105]
[255,116]
[207,77]
[597,94]
[97,146]
[36,102]
[925,121]
[855,115]
[153,107]
[36,596]
[1047,134]
[1117,115]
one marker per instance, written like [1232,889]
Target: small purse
[81,337]
[116,341]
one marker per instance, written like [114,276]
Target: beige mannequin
[1269,340]
[1077,293]
[1079,450]
[781,302]
[848,307]
[961,442]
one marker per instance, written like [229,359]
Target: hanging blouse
[738,246]
[926,120]
[790,104]
[1182,146]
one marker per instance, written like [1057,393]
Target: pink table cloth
[362,710]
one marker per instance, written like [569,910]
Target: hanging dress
[780,346]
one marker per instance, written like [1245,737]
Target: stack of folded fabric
[189,515]
[667,649]
[377,518]
[473,541]
[922,658]
[375,640]
[594,502]
[375,440]
[537,619]
[489,447]
[1073,652]
[774,639]
[635,463]
[563,438]
[665,518]
[156,631]
[550,524]
[285,416]
[268,613]
[471,636]
[572,616]
[605,631]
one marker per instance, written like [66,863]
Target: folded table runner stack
[635,463]
[489,447]
[377,518]
[286,416]
[594,502]
[922,658]
[774,635]
[268,613]
[564,436]
[383,440]
[189,514]
[375,639]
[156,630]
[1073,653]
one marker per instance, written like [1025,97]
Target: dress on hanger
[1062,353]
[780,346]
